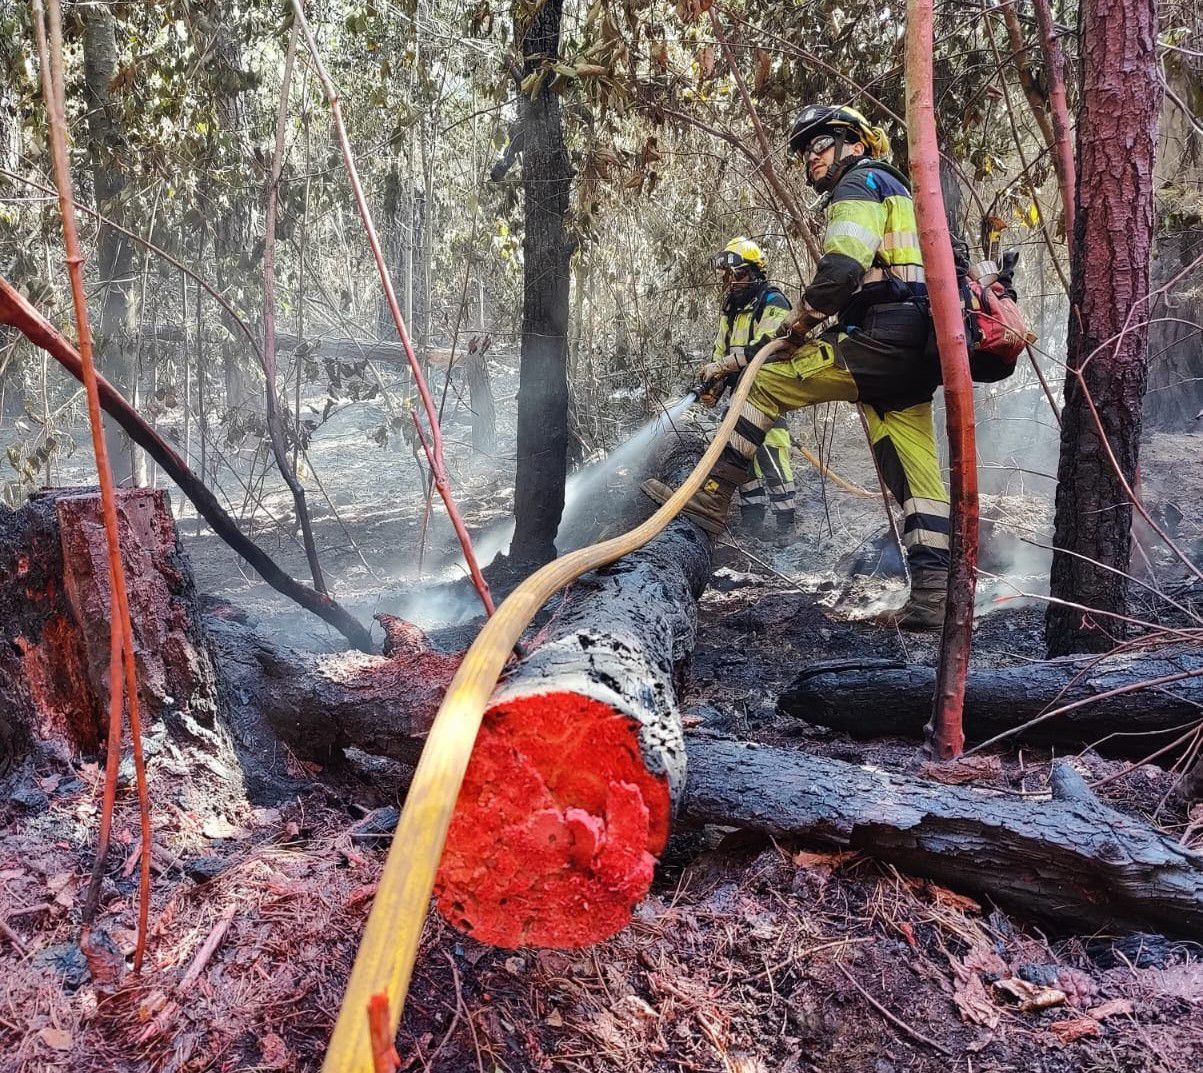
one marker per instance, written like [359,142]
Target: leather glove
[801,324]
[716,370]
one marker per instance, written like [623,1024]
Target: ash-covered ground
[749,956]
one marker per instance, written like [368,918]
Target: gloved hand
[714,371]
[711,393]
[801,324]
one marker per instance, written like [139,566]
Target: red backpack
[995,330]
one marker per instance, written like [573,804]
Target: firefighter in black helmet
[870,284]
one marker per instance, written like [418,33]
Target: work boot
[710,504]
[784,536]
[924,607]
[751,521]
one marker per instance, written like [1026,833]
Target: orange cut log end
[557,827]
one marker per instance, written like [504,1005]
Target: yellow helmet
[741,253]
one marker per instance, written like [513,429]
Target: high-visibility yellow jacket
[753,323]
[871,245]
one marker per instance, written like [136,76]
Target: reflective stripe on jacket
[753,325]
[871,245]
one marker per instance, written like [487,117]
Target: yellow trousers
[903,441]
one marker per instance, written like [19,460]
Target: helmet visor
[728,261]
[818,145]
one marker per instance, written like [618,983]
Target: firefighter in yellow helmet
[870,283]
[753,311]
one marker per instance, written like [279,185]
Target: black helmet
[819,119]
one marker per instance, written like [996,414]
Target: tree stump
[56,611]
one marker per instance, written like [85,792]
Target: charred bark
[1070,860]
[1108,333]
[55,612]
[542,467]
[880,698]
[319,704]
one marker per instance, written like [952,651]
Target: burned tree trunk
[569,795]
[878,698]
[1108,330]
[1070,860]
[480,397]
[56,611]
[318,704]
[542,467]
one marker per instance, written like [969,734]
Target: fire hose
[389,945]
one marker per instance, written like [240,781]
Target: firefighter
[753,311]
[870,279]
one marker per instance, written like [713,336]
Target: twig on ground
[897,1022]
[207,950]
[14,938]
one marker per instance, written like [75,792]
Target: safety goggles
[728,261]
[818,146]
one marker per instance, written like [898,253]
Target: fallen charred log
[1070,860]
[569,795]
[319,704]
[580,762]
[1161,694]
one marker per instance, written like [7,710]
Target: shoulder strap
[770,292]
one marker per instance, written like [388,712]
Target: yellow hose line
[390,939]
[831,474]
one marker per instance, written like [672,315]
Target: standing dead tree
[542,468]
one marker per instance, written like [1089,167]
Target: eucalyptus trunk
[114,252]
[232,230]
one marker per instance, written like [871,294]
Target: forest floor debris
[749,956]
